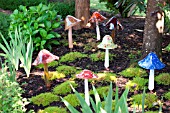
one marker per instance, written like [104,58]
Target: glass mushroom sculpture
[44,57]
[151,62]
[70,21]
[86,74]
[97,17]
[107,43]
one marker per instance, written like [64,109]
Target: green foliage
[72,56]
[72,99]
[167,95]
[39,22]
[53,110]
[14,4]
[64,88]
[91,46]
[51,64]
[65,8]
[100,56]
[44,99]
[107,76]
[133,72]
[150,99]
[151,112]
[10,95]
[113,104]
[56,75]
[4,25]
[163,78]
[66,70]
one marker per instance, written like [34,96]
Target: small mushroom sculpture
[70,21]
[44,57]
[151,62]
[113,23]
[97,17]
[86,74]
[107,43]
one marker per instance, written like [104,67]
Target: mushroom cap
[71,21]
[44,56]
[107,43]
[113,20]
[97,16]
[86,74]
[151,61]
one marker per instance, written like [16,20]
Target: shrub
[53,110]
[39,22]
[163,78]
[4,25]
[44,99]
[64,88]
[133,72]
[72,56]
[167,95]
[66,70]
[14,4]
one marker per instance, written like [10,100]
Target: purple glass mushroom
[151,61]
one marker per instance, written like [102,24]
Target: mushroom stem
[70,39]
[106,63]
[97,30]
[46,75]
[113,35]
[151,80]
[86,87]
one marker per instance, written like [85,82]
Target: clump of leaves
[73,100]
[64,88]
[163,78]
[133,72]
[51,64]
[66,70]
[53,109]
[44,99]
[107,76]
[100,56]
[150,99]
[167,95]
[72,56]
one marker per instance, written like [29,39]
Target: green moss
[91,46]
[44,99]
[72,56]
[133,72]
[149,99]
[66,70]
[163,78]
[51,64]
[167,95]
[53,110]
[56,75]
[72,99]
[107,76]
[64,88]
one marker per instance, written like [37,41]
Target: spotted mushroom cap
[86,74]
[107,43]
[71,21]
[151,61]
[97,16]
[44,56]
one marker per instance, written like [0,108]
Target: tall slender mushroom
[86,74]
[113,23]
[151,62]
[70,21]
[107,43]
[97,17]
[44,57]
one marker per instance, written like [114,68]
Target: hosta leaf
[49,36]
[56,25]
[43,33]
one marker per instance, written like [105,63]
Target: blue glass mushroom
[152,62]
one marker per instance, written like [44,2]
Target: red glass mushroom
[44,57]
[97,17]
[86,74]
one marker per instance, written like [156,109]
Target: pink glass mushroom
[86,74]
[44,57]
[70,21]
[97,17]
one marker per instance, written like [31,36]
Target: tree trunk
[154,24]
[82,11]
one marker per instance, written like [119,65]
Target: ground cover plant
[106,90]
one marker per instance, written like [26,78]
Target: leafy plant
[167,95]
[53,109]
[66,70]
[72,56]
[44,99]
[39,22]
[163,78]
